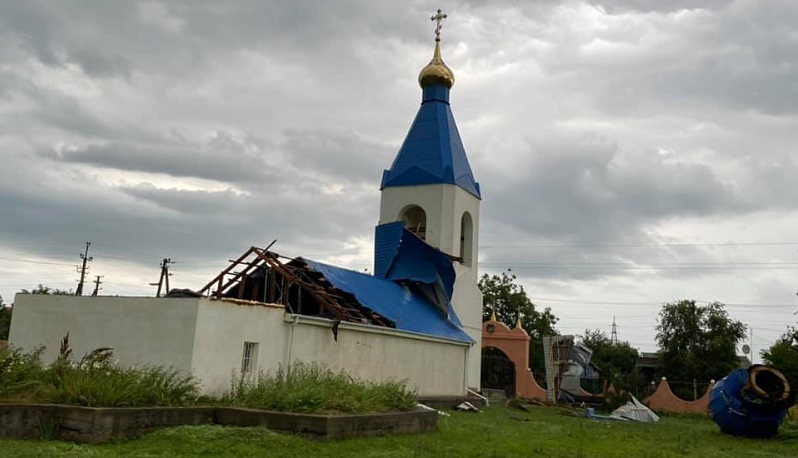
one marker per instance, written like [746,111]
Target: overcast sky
[630,153]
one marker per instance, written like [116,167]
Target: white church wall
[141,330]
[207,338]
[223,328]
[433,367]
[467,301]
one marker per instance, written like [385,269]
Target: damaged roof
[312,288]
[397,302]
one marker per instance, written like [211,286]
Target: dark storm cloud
[737,55]
[57,41]
[585,191]
[339,155]
[658,6]
[141,224]
[221,158]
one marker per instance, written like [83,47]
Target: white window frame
[249,358]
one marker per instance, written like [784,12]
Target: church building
[416,318]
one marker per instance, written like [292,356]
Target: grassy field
[497,432]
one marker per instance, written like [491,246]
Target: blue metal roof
[387,238]
[401,256]
[432,152]
[411,312]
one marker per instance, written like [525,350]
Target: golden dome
[436,72]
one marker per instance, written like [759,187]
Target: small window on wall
[249,362]
[467,239]
[415,220]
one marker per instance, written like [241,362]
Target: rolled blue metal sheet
[737,411]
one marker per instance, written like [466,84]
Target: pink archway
[515,344]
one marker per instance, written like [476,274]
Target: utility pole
[614,335]
[97,284]
[164,276]
[83,269]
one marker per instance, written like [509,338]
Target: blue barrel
[741,408]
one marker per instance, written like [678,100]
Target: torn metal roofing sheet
[400,255]
[386,243]
[409,311]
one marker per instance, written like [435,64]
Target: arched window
[415,220]
[467,239]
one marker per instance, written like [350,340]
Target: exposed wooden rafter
[281,278]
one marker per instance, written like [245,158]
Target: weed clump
[96,380]
[314,388]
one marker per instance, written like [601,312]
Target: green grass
[497,432]
[313,388]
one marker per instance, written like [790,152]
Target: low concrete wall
[98,425]
[663,400]
[331,426]
[26,420]
[93,425]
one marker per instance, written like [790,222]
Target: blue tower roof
[432,152]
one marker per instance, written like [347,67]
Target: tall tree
[609,356]
[697,342]
[504,296]
[616,361]
[783,355]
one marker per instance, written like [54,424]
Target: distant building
[648,364]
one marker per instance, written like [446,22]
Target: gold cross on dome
[438,18]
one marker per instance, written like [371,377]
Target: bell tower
[430,187]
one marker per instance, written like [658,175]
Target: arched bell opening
[415,219]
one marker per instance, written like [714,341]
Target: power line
[643,267]
[36,262]
[622,245]
[585,302]
[644,264]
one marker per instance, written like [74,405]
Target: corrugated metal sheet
[418,262]
[409,311]
[386,243]
[413,260]
[432,151]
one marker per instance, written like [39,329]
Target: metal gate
[498,372]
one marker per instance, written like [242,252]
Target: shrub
[22,376]
[132,387]
[313,388]
[96,380]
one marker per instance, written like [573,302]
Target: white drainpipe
[290,344]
